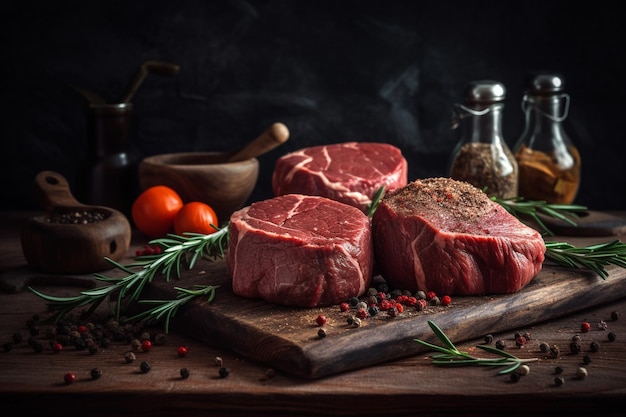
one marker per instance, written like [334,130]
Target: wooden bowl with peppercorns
[70,237]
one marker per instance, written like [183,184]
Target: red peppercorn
[321,320]
[82,329]
[446,300]
[69,378]
[585,327]
[146,345]
[399,307]
[361,313]
[57,347]
[430,295]
[344,307]
[182,351]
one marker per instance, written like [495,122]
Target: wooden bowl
[72,238]
[203,176]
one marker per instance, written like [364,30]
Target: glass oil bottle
[549,163]
[481,156]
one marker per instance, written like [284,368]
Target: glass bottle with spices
[481,156]
[549,163]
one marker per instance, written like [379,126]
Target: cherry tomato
[154,210]
[195,217]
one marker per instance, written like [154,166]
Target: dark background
[332,71]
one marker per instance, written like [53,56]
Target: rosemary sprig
[168,308]
[177,250]
[592,257]
[378,195]
[530,208]
[450,356]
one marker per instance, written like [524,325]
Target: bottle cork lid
[545,83]
[484,92]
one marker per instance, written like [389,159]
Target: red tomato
[154,210]
[195,217]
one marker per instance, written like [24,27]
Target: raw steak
[447,236]
[349,172]
[298,250]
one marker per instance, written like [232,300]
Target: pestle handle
[268,140]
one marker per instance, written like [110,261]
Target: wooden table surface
[33,381]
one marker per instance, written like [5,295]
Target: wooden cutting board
[287,338]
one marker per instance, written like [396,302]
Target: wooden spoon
[268,140]
[71,237]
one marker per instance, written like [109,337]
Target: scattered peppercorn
[586,359]
[554,351]
[56,347]
[17,337]
[321,333]
[130,357]
[581,373]
[585,327]
[135,345]
[500,344]
[615,315]
[321,320]
[612,337]
[95,373]
[520,341]
[488,339]
[182,351]
[558,370]
[602,325]
[574,347]
[515,377]
[184,373]
[69,378]
[218,361]
[544,347]
[343,307]
[446,300]
[594,346]
[145,367]
[146,345]
[224,372]
[576,338]
[559,380]
[523,370]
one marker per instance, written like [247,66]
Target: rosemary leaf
[451,356]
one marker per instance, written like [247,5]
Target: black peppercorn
[586,360]
[594,346]
[554,351]
[515,377]
[224,372]
[612,337]
[95,373]
[544,347]
[559,380]
[558,370]
[145,367]
[615,315]
[574,347]
[488,339]
[321,333]
[130,357]
[500,344]
[184,373]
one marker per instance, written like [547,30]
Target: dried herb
[592,257]
[450,356]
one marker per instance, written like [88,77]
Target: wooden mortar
[72,248]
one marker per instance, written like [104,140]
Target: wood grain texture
[286,338]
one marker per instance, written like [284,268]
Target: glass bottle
[549,163]
[481,156]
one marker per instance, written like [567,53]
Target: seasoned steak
[349,172]
[297,250]
[449,237]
